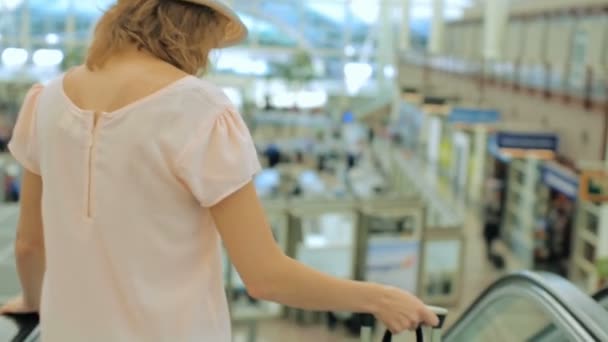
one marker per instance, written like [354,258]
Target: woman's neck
[133,53]
[132,58]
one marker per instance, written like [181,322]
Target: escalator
[533,307]
[523,307]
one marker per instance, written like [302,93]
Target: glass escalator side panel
[532,307]
[512,319]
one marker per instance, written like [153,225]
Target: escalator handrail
[580,306]
[601,294]
[602,297]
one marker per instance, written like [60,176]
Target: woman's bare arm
[29,244]
[270,275]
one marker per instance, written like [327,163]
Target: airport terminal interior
[455,149]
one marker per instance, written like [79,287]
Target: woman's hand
[17,305]
[401,311]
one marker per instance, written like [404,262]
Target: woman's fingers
[429,318]
[402,311]
[15,306]
[8,308]
[402,325]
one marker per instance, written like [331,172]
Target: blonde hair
[179,33]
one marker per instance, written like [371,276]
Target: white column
[25,33]
[347,37]
[495,22]
[396,107]
[478,165]
[602,241]
[526,210]
[404,27]
[387,55]
[437,28]
[70,26]
[386,46]
[433,139]
[602,233]
[254,38]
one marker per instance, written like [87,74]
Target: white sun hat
[236,31]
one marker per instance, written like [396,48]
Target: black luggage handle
[388,336]
[27,324]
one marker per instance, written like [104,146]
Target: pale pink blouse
[132,251]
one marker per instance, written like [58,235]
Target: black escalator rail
[27,327]
[602,298]
[580,307]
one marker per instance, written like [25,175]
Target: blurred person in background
[273,155]
[135,169]
[11,181]
[5,134]
[353,139]
[559,234]
[492,221]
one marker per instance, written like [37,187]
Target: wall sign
[594,186]
[527,141]
[558,179]
[348,117]
[473,116]
[441,270]
[393,262]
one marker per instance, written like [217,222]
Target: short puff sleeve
[220,159]
[24,142]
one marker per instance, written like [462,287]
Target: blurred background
[434,145]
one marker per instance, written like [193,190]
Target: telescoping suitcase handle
[366,330]
[25,327]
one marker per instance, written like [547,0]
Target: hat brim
[236,31]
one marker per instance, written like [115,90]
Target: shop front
[589,267]
[555,212]
[511,187]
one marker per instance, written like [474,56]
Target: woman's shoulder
[200,103]
[205,94]
[48,92]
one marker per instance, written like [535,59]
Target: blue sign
[560,180]
[474,116]
[527,141]
[348,117]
